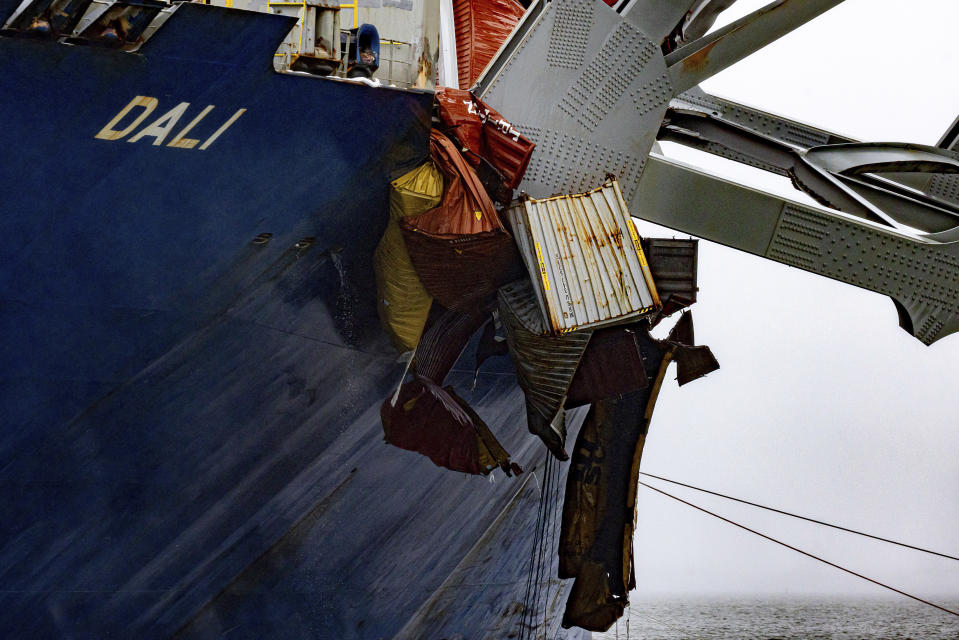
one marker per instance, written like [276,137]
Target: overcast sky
[823,405]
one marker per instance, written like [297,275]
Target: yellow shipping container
[402,301]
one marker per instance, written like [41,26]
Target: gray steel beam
[920,275]
[856,178]
[950,139]
[854,168]
[715,136]
[508,49]
[786,130]
[801,136]
[590,89]
[657,18]
[702,17]
[707,56]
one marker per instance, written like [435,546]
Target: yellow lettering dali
[163,126]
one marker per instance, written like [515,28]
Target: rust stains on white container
[584,257]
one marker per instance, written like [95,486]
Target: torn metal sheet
[612,365]
[599,510]
[465,208]
[585,258]
[439,424]
[545,364]
[692,361]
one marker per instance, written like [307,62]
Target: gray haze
[823,404]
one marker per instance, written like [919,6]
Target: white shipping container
[584,258]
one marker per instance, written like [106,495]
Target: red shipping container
[481,28]
[485,133]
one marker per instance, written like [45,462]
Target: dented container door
[584,255]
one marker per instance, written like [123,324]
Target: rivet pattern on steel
[921,278]
[655,93]
[760,122]
[572,22]
[599,87]
[945,186]
[577,163]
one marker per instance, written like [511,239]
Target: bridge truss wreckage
[607,83]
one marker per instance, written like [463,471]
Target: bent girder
[594,89]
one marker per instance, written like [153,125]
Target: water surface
[784,617]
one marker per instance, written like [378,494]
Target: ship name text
[141,107]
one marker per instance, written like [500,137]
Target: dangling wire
[531,598]
[529,577]
[805,553]
[629,611]
[551,531]
[793,515]
[663,624]
[540,533]
[406,369]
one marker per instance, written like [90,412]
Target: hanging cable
[545,501]
[533,581]
[527,604]
[545,557]
[805,553]
[628,615]
[793,515]
[551,532]
[557,525]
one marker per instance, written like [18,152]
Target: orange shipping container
[481,27]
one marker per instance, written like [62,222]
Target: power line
[805,553]
[793,515]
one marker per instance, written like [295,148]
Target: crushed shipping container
[460,249]
[485,135]
[673,262]
[545,363]
[402,301]
[585,258]
[433,420]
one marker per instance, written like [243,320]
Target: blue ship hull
[189,409]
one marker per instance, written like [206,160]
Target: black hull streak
[190,419]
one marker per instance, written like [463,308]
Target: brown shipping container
[481,28]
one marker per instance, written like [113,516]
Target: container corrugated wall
[585,258]
[673,261]
[481,27]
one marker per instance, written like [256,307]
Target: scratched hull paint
[189,420]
